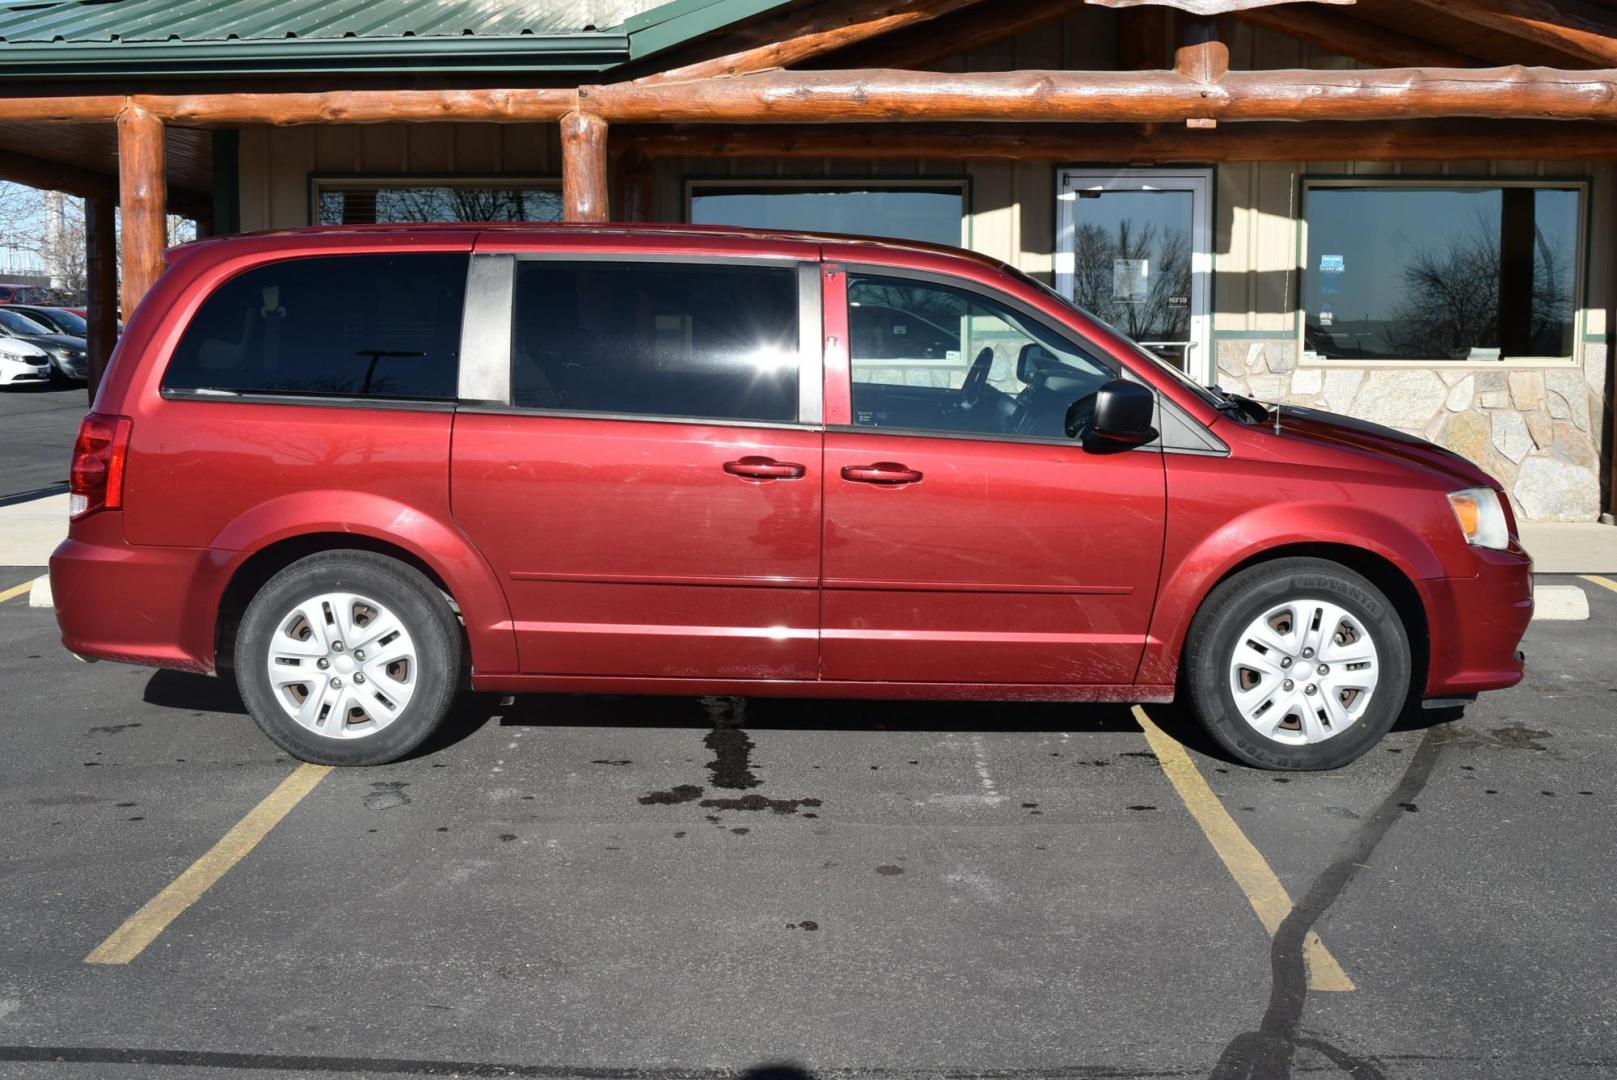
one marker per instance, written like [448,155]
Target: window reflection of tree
[420,205]
[1451,303]
[1164,313]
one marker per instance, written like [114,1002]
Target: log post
[143,198]
[584,195]
[1200,53]
[101,279]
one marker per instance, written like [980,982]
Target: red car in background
[643,459]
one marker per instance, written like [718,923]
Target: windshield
[66,321]
[20,324]
[1139,350]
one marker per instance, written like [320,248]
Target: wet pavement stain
[111,729]
[682,794]
[1141,806]
[1413,808]
[741,830]
[611,761]
[1511,737]
[806,924]
[759,802]
[386,795]
[889,870]
[732,761]
[506,837]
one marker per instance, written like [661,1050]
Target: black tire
[400,589]
[1236,603]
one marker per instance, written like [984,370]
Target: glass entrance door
[1135,248]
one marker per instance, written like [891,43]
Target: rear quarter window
[367,326]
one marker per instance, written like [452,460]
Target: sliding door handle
[882,472]
[763,468]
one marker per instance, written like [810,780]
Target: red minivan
[364,468]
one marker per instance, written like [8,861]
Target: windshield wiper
[1238,405]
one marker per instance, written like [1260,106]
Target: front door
[1134,247]
[650,494]
[967,539]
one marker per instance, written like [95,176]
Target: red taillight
[96,481]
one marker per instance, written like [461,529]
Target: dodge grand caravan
[364,468]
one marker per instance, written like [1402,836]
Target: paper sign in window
[1130,280]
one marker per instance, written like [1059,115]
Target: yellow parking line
[1603,582]
[142,928]
[1246,863]
[15,590]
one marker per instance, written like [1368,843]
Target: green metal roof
[158,38]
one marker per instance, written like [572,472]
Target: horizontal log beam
[783,97]
[329,107]
[801,34]
[86,184]
[1461,140]
[791,97]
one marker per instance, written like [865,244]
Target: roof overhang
[588,52]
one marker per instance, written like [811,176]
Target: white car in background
[21,362]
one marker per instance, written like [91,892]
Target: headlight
[1481,517]
[26,358]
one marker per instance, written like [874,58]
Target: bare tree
[1162,313]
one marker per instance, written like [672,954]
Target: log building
[1402,210]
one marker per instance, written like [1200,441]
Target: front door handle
[882,472]
[763,468]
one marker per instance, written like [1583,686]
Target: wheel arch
[451,563]
[1164,658]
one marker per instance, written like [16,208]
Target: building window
[404,201]
[929,211]
[1441,271]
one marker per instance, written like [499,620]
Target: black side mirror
[1123,412]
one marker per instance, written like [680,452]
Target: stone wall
[1537,430]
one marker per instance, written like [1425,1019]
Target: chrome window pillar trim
[811,346]
[485,331]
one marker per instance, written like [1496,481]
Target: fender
[1188,577]
[449,552]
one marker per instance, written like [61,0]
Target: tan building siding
[1521,423]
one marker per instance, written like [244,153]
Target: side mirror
[1123,412]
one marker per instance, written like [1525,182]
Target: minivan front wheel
[1297,664]
[348,658]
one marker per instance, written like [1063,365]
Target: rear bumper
[135,605]
[1477,624]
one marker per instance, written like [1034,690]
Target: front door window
[1134,251]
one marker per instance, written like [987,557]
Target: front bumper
[13,372]
[1476,624]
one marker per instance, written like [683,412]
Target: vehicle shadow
[192,692]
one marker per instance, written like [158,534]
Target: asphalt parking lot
[624,887]
[37,426]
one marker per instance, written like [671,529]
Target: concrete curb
[1560,603]
[40,594]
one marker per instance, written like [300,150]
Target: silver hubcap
[342,665]
[1303,672]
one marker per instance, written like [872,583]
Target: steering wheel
[1081,417]
[971,390]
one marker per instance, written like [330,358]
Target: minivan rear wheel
[1297,664]
[348,658]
